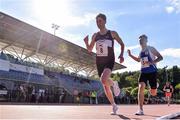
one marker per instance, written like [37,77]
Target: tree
[175,75]
[133,79]
[177,87]
[134,92]
[130,79]
[121,79]
[127,91]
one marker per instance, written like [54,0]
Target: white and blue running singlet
[146,57]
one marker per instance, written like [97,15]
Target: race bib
[102,47]
[167,90]
[144,62]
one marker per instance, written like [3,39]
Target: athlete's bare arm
[164,88]
[133,57]
[172,88]
[91,45]
[157,54]
[119,40]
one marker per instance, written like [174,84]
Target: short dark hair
[143,36]
[103,16]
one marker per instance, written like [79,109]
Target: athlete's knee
[142,86]
[104,81]
[105,76]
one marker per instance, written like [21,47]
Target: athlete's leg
[115,85]
[105,77]
[142,86]
[153,83]
[110,82]
[168,100]
[109,94]
[107,83]
[166,96]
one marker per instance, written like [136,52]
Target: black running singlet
[168,89]
[104,46]
[104,52]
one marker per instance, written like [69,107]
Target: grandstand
[33,56]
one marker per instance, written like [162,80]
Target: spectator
[62,96]
[33,98]
[22,96]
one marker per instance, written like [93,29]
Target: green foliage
[130,79]
[177,86]
[177,96]
[134,92]
[146,92]
[126,79]
[129,89]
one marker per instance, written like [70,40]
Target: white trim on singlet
[102,47]
[151,55]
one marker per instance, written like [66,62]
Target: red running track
[83,111]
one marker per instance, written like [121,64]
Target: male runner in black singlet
[105,58]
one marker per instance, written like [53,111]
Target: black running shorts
[101,65]
[151,77]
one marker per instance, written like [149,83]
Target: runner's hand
[121,59]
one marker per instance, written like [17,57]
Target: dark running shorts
[101,66]
[151,77]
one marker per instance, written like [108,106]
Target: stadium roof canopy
[30,42]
